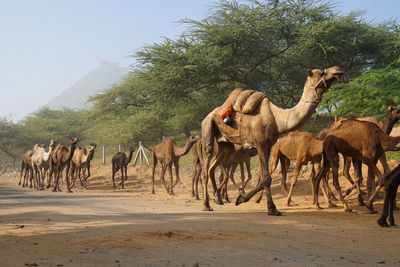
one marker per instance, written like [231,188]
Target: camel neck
[292,119]
[388,123]
[181,151]
[130,156]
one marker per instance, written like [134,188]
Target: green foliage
[369,94]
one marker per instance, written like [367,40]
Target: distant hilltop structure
[95,82]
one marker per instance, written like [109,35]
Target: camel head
[193,139]
[52,143]
[131,149]
[319,81]
[73,140]
[394,112]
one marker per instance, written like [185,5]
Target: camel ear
[309,73]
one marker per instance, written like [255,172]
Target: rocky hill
[96,81]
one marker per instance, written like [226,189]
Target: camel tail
[275,155]
[153,158]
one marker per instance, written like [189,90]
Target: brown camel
[41,161]
[302,147]
[392,182]
[60,159]
[363,142]
[257,123]
[26,166]
[79,160]
[168,153]
[239,157]
[120,162]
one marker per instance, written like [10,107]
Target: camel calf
[392,182]
[120,162]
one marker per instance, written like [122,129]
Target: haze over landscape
[51,50]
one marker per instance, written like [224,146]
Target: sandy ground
[132,227]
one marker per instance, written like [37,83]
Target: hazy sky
[48,45]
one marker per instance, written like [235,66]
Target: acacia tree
[262,45]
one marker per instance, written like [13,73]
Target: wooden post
[119,148]
[104,155]
[139,154]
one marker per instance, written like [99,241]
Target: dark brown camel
[26,166]
[120,162]
[61,158]
[392,182]
[363,142]
[257,123]
[392,117]
[168,153]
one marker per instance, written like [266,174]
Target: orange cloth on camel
[227,111]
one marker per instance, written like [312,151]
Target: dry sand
[132,227]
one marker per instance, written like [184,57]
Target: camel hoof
[239,200]
[274,212]
[153,192]
[69,191]
[382,222]
[207,209]
[371,211]
[19,183]
[218,201]
[54,190]
[318,207]
[347,209]
[331,205]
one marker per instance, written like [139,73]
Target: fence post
[104,155]
[119,148]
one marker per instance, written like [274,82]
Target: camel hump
[247,101]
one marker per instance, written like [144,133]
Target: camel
[80,159]
[41,161]
[61,159]
[239,157]
[363,142]
[86,167]
[259,126]
[302,147]
[391,186]
[26,165]
[168,153]
[120,162]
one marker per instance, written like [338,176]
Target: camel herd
[37,164]
[253,128]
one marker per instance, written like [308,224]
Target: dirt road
[131,227]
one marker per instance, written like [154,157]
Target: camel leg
[22,170]
[321,174]
[126,171]
[195,180]
[114,170]
[216,161]
[265,182]
[316,167]
[205,177]
[249,176]
[163,170]
[335,174]
[171,178]
[67,179]
[391,186]
[285,163]
[153,169]
[232,178]
[176,164]
[297,169]
[372,171]
[357,168]
[122,176]
[56,178]
[224,181]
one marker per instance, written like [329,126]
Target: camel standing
[120,161]
[26,166]
[303,148]
[259,128]
[60,159]
[168,153]
[363,142]
[79,160]
[41,161]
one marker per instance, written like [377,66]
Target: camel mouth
[338,76]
